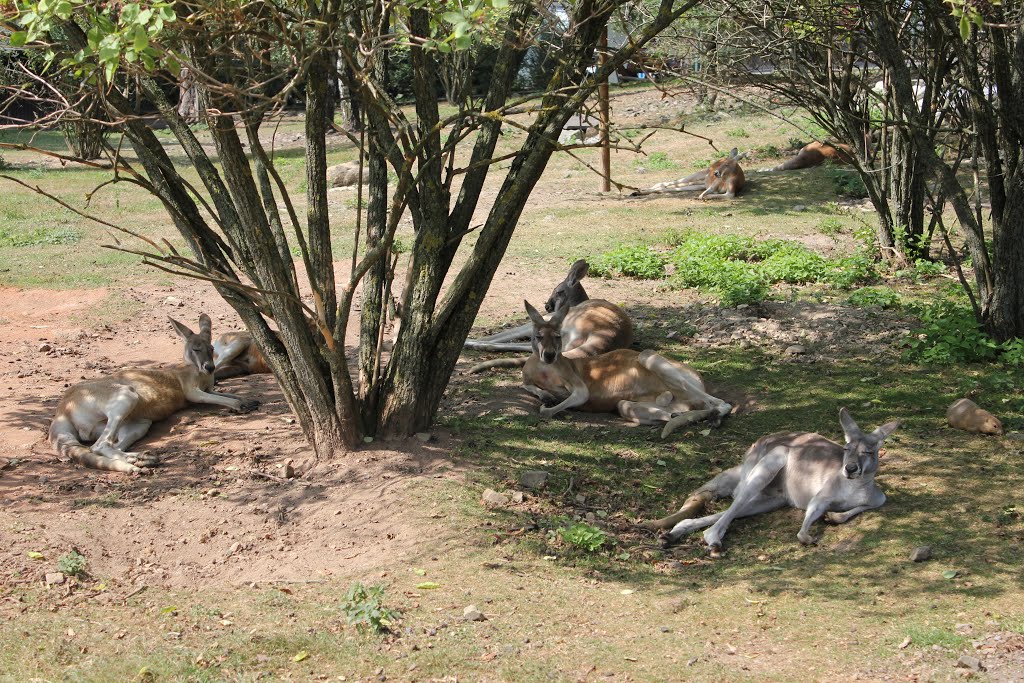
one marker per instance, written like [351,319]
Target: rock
[471,613]
[423,437]
[920,554]
[964,628]
[795,350]
[533,479]
[44,347]
[965,414]
[969,662]
[580,498]
[492,498]
[799,207]
[235,547]
[518,496]
[54,579]
[174,301]
[343,175]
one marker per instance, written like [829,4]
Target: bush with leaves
[949,334]
[583,536]
[640,262]
[363,607]
[877,297]
[71,564]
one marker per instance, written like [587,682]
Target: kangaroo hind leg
[685,383]
[749,497]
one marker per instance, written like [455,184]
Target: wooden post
[605,117]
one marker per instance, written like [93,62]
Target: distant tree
[242,242]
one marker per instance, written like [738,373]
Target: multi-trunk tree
[240,221]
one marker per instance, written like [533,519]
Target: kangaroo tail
[64,439]
[498,363]
[721,486]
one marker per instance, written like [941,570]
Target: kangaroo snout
[208,367]
[851,469]
[549,357]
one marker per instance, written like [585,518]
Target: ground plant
[364,608]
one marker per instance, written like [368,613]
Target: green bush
[657,161]
[878,297]
[71,564]
[737,133]
[850,271]
[948,334]
[35,237]
[639,261]
[364,609]
[583,536]
[793,263]
[848,184]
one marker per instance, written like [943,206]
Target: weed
[584,537]
[658,161]
[108,501]
[949,334]
[364,609]
[35,237]
[831,227]
[640,262]
[850,271]
[1013,352]
[926,268]
[767,151]
[71,564]
[847,184]
[878,297]
[737,133]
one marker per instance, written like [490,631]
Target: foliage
[793,263]
[949,333]
[878,297]
[656,161]
[737,133]
[71,564]
[583,536]
[848,184]
[831,227]
[35,237]
[364,609]
[923,268]
[640,262]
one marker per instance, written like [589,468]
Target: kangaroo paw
[248,405]
[142,459]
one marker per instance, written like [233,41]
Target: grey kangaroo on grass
[117,410]
[796,469]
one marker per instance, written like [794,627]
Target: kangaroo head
[569,290]
[547,334]
[860,456]
[198,346]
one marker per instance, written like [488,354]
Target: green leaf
[18,38]
[419,572]
[949,574]
[141,41]
[35,555]
[170,609]
[300,656]
[428,585]
[965,27]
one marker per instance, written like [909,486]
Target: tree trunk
[1006,312]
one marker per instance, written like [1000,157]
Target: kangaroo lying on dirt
[642,387]
[723,179]
[815,154]
[798,469]
[590,327]
[117,410]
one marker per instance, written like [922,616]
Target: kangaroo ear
[885,430]
[733,153]
[535,316]
[559,315]
[182,330]
[205,326]
[850,429]
[577,272]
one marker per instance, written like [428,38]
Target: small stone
[235,547]
[533,479]
[799,207]
[518,496]
[921,554]
[969,662]
[54,579]
[424,437]
[964,628]
[174,301]
[471,613]
[795,350]
[580,498]
[492,498]
[664,629]
[44,347]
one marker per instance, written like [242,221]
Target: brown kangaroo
[117,410]
[815,154]
[642,387]
[723,179]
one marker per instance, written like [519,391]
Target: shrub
[583,536]
[363,609]
[879,297]
[948,334]
[737,133]
[640,262]
[847,184]
[831,227]
[657,161]
[71,564]
[850,271]
[793,263]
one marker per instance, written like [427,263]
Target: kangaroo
[117,410]
[235,353]
[590,327]
[723,179]
[815,154]
[642,387]
[798,469]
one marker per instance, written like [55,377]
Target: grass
[770,609]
